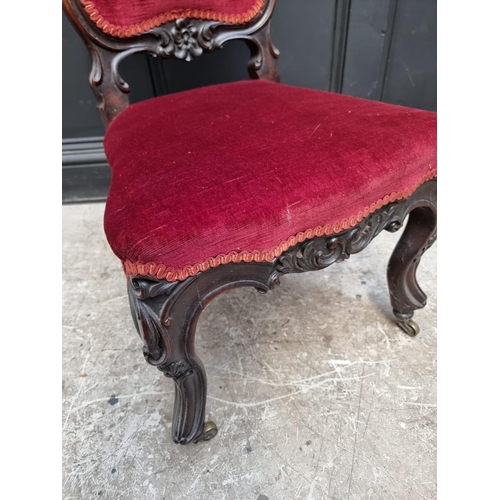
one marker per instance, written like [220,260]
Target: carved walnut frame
[165,313]
[182,39]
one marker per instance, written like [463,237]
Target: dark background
[377,49]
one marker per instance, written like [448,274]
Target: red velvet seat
[242,171]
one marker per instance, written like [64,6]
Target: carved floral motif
[185,36]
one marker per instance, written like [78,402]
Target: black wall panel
[303,32]
[79,116]
[412,63]
[366,40]
[376,49]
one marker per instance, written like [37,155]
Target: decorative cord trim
[143,26]
[161,271]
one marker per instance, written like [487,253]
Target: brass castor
[409,327]
[404,321]
[209,432]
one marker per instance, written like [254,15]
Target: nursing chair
[242,183]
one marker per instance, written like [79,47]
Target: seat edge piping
[161,271]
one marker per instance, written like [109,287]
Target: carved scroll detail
[322,252]
[177,369]
[152,299]
[151,321]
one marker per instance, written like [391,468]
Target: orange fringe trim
[171,274]
[143,26]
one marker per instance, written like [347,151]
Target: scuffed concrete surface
[316,393]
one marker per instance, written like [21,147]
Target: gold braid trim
[143,26]
[164,272]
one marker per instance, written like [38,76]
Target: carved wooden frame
[181,39]
[165,313]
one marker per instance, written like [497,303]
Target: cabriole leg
[419,235]
[166,314]
[163,317]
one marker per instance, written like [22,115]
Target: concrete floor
[316,393]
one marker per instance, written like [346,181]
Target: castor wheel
[404,321]
[209,432]
[409,327]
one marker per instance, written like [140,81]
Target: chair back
[183,29]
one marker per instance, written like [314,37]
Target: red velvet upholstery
[243,171]
[128,18]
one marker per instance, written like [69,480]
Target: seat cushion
[243,171]
[128,18]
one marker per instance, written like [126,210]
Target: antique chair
[239,184]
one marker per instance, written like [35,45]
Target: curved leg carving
[190,399]
[166,314]
[419,235]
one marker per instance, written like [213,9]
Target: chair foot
[209,432]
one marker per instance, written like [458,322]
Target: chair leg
[165,315]
[406,294]
[167,327]
[188,373]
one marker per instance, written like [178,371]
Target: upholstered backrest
[184,29]
[127,18]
